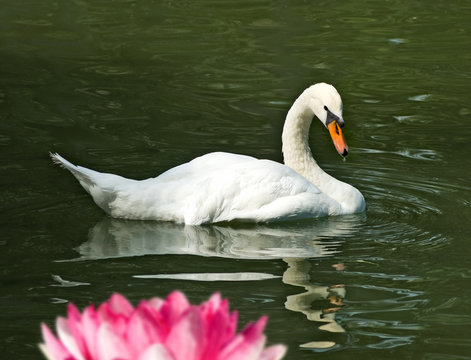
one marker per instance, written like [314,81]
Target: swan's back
[220,187]
[216,187]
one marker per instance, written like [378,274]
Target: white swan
[220,187]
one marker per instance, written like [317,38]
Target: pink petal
[110,346]
[117,307]
[90,326]
[175,305]
[52,347]
[155,315]
[275,352]
[73,313]
[156,352]
[156,303]
[186,338]
[220,330]
[120,305]
[213,304]
[76,329]
[45,352]
[233,320]
[67,339]
[106,314]
[143,329]
[217,310]
[247,345]
[245,349]
[120,325]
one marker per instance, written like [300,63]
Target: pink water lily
[170,329]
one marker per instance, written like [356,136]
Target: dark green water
[137,87]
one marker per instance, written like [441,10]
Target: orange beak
[337,137]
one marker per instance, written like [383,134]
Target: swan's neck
[297,154]
[296,151]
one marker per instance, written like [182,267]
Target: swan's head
[325,102]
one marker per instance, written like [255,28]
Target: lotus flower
[170,329]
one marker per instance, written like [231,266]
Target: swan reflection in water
[294,243]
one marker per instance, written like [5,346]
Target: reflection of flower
[157,329]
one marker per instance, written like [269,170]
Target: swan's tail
[102,187]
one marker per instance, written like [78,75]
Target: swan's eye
[326,108]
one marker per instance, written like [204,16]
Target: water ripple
[419,154]
[239,276]
[390,191]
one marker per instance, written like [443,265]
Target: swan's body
[219,187]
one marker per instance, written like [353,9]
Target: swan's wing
[261,191]
[222,187]
[205,165]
